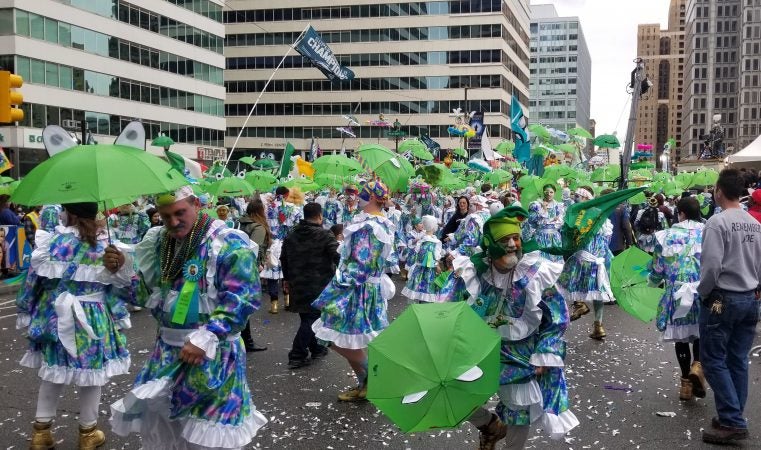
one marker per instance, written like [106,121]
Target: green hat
[506,222]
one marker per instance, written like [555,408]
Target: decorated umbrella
[505,148]
[459,151]
[265,163]
[608,173]
[511,165]
[459,165]
[566,148]
[684,179]
[580,132]
[338,165]
[333,181]
[416,149]
[303,183]
[261,180]
[628,281]
[392,169]
[558,171]
[231,187]
[433,366]
[247,160]
[434,174]
[453,184]
[704,177]
[499,177]
[218,168]
[162,141]
[607,141]
[539,131]
[662,177]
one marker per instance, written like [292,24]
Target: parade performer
[192,392]
[447,211]
[129,225]
[515,294]
[544,221]
[281,216]
[49,217]
[464,241]
[354,304]
[349,208]
[73,307]
[647,222]
[585,274]
[332,210]
[676,261]
[424,264]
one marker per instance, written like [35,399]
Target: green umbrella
[558,171]
[261,180]
[231,187]
[338,165]
[608,173]
[628,280]
[539,131]
[662,177]
[162,141]
[452,184]
[9,188]
[96,173]
[247,160]
[567,148]
[416,148]
[505,148]
[6,180]
[434,174]
[391,168]
[265,163]
[704,177]
[218,167]
[580,132]
[511,165]
[303,183]
[459,165]
[684,179]
[459,151]
[641,174]
[607,141]
[334,181]
[433,366]
[638,199]
[498,177]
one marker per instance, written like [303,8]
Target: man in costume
[515,294]
[192,392]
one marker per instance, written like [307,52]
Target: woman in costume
[424,265]
[545,217]
[281,216]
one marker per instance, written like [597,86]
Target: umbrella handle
[108,228]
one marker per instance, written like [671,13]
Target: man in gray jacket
[730,275]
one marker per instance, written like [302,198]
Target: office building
[108,62]
[561,70]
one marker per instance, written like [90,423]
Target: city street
[623,392]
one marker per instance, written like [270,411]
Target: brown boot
[287,302]
[274,303]
[598,332]
[42,437]
[578,309]
[698,380]
[356,394]
[489,435]
[685,391]
[90,438]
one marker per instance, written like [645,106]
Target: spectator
[754,204]
[7,215]
[255,225]
[32,224]
[154,217]
[623,236]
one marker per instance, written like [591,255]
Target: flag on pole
[312,47]
[518,124]
[186,166]
[286,164]
[5,163]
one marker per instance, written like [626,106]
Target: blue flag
[522,150]
[312,47]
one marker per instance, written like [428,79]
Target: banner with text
[312,47]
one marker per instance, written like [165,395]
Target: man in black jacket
[309,258]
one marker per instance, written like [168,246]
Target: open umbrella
[558,171]
[608,173]
[231,187]
[391,168]
[628,281]
[566,148]
[459,151]
[247,160]
[416,149]
[303,183]
[498,177]
[607,141]
[539,131]
[162,141]
[505,148]
[333,181]
[704,177]
[433,366]
[6,180]
[338,165]
[261,180]
[96,173]
[684,179]
[434,174]
[580,132]
[265,163]
[459,165]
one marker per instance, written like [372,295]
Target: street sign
[396,133]
[212,153]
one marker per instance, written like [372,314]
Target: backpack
[649,222]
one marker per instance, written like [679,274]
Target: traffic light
[10,100]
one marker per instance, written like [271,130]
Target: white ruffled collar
[689,225]
[102,233]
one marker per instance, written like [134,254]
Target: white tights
[50,393]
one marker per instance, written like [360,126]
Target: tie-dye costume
[543,225]
[50,217]
[585,274]
[281,217]
[423,261]
[129,228]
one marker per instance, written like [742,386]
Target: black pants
[305,342]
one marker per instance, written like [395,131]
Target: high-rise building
[414,61]
[722,73]
[108,62]
[561,70]
[659,116]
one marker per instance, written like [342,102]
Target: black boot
[248,341]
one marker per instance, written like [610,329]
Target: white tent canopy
[750,154]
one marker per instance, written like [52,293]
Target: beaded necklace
[172,261]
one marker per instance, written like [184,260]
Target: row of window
[556,114]
[370,108]
[151,21]
[372,84]
[205,8]
[434,131]
[36,71]
[39,116]
[71,36]
[360,11]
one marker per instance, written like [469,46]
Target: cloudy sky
[610,28]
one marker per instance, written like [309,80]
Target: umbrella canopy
[6,180]
[704,177]
[96,173]
[416,149]
[558,171]
[333,181]
[539,131]
[580,132]
[433,366]
[684,179]
[459,151]
[628,280]
[162,141]
[434,174]
[498,177]
[303,183]
[505,148]
[566,148]
[261,180]
[459,165]
[608,173]
[231,187]
[392,169]
[607,141]
[247,160]
[338,165]
[265,163]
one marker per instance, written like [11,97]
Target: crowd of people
[203,268]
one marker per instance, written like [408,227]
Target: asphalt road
[616,388]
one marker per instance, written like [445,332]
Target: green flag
[286,164]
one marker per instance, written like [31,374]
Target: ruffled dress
[531,318]
[422,271]
[466,241]
[543,225]
[331,212]
[676,261]
[281,217]
[74,310]
[348,214]
[585,274]
[354,304]
[210,404]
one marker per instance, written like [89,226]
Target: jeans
[305,341]
[725,340]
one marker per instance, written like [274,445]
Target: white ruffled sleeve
[123,276]
[147,257]
[205,340]
[463,267]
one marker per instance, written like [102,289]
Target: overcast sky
[610,28]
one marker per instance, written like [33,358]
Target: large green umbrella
[498,177]
[265,163]
[684,179]
[579,132]
[6,180]
[567,148]
[333,181]
[433,366]
[303,183]
[96,173]
[558,171]
[231,187]
[505,148]
[459,151]
[9,188]
[247,160]
[459,165]
[607,141]
[608,173]
[628,281]
[391,168]
[704,177]
[261,180]
[416,149]
[662,177]
[539,131]
[453,184]
[338,165]
[434,174]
